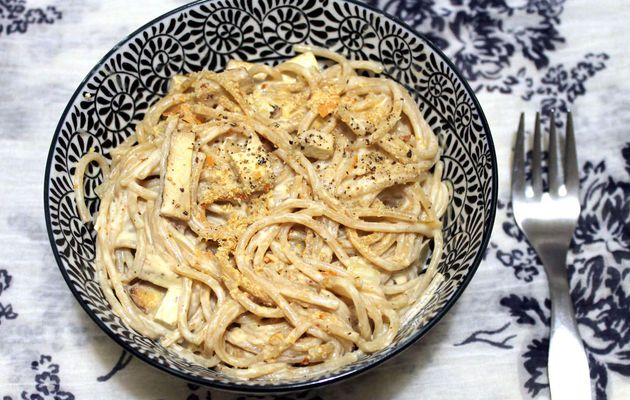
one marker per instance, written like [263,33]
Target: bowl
[206,34]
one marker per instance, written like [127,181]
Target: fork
[548,219]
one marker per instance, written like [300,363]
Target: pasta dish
[272,222]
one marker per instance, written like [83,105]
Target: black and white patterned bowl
[206,34]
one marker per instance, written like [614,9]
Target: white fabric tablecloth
[521,56]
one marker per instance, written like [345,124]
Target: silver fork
[548,220]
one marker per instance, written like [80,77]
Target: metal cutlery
[548,218]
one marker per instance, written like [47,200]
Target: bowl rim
[318,382]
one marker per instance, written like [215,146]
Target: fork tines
[562,181]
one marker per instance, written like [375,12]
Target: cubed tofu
[397,147]
[236,64]
[240,77]
[265,100]
[306,60]
[263,103]
[167,313]
[126,239]
[316,144]
[158,271]
[146,296]
[126,235]
[177,82]
[220,184]
[176,195]
[253,165]
[360,268]
[369,161]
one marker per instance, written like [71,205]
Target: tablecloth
[521,55]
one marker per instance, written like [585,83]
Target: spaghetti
[272,221]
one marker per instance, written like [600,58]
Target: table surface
[525,56]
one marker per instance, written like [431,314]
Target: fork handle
[567,365]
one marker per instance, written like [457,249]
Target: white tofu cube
[306,60]
[127,235]
[316,144]
[253,165]
[262,103]
[177,82]
[236,64]
[176,195]
[158,271]
[126,239]
[360,268]
[167,312]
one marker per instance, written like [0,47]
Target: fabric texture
[519,56]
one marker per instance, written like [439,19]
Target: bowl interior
[205,35]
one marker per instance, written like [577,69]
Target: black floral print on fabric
[47,384]
[16,16]
[488,337]
[487,38]
[6,310]
[501,47]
